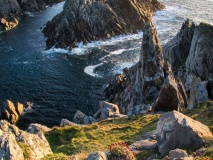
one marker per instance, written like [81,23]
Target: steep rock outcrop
[190,54]
[12,137]
[199,61]
[10,10]
[172,93]
[11,112]
[87,20]
[176,51]
[142,83]
[175,130]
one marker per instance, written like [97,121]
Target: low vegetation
[99,136]
[72,140]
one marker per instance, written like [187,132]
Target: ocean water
[57,81]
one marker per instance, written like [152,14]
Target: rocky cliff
[162,79]
[87,20]
[10,10]
[190,54]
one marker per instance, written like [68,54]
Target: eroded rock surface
[13,138]
[142,83]
[10,10]
[87,20]
[175,130]
[81,118]
[11,112]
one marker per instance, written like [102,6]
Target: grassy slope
[98,136]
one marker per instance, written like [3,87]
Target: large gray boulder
[175,130]
[87,20]
[37,145]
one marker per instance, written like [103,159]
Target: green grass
[83,140]
[25,149]
[203,113]
[98,136]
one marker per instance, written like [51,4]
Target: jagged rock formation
[176,51]
[10,10]
[142,83]
[198,92]
[172,93]
[190,54]
[87,20]
[175,130]
[13,140]
[11,112]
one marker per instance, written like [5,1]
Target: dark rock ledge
[88,20]
[10,10]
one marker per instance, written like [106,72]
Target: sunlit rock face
[142,83]
[87,20]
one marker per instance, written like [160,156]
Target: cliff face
[10,10]
[87,20]
[142,83]
[162,79]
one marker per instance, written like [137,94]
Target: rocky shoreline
[11,10]
[86,21]
[158,82]
[177,77]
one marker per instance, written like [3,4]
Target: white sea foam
[119,68]
[82,49]
[90,70]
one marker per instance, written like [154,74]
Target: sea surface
[57,81]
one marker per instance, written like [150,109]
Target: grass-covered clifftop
[83,140]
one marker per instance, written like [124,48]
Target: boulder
[143,145]
[175,130]
[177,153]
[19,108]
[66,122]
[98,155]
[108,110]
[81,118]
[37,145]
[9,148]
[172,94]
[35,128]
[8,112]
[198,92]
[97,19]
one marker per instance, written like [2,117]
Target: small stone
[177,153]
